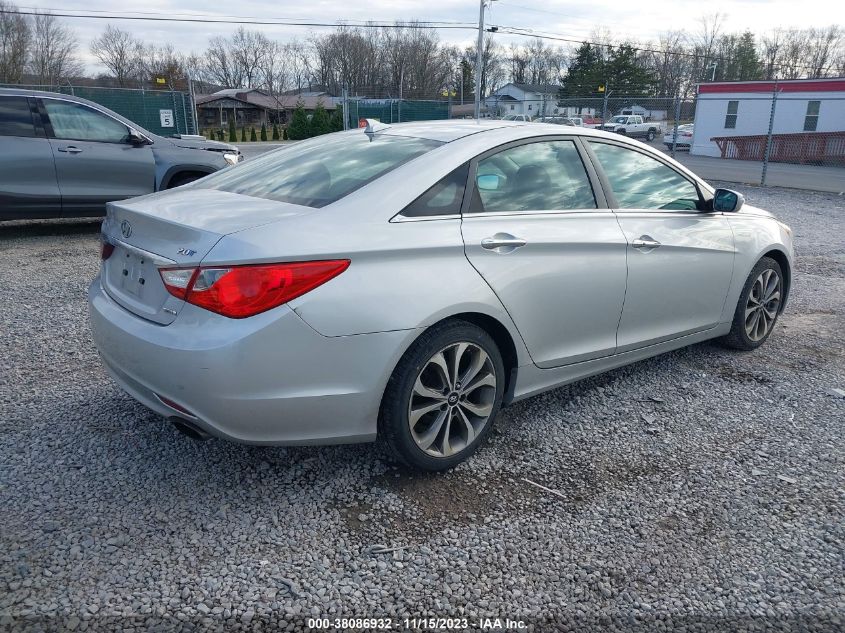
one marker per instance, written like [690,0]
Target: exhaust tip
[190,429]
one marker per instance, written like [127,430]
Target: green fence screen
[396,111]
[150,109]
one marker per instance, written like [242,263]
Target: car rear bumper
[269,379]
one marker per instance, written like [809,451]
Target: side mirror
[489,182]
[727,200]
[136,138]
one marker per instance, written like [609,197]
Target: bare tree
[823,46]
[53,55]
[15,37]
[120,53]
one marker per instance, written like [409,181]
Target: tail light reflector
[243,291]
[106,248]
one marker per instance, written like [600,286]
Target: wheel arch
[177,171]
[783,261]
[503,339]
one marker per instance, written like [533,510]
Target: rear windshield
[315,174]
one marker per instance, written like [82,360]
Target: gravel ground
[701,490]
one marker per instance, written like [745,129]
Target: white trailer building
[732,119]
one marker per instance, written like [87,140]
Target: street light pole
[478,61]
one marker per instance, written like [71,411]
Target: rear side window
[317,173]
[444,198]
[16,117]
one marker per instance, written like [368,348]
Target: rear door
[536,227]
[680,258]
[94,161]
[28,186]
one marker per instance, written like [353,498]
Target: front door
[95,163]
[680,258]
[545,243]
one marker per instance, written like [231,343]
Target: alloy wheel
[452,399]
[763,304]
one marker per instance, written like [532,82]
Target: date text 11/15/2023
[416,624]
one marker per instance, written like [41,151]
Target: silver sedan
[405,282]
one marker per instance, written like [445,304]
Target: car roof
[451,130]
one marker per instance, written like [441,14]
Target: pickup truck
[632,125]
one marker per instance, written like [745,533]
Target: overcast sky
[638,21]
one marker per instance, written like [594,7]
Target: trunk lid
[173,229]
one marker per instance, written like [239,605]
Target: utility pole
[604,105]
[478,61]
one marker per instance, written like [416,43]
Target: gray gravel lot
[701,490]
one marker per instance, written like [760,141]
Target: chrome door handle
[645,241]
[70,149]
[502,243]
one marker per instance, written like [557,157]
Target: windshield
[620,119]
[315,174]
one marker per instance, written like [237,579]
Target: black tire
[183,179]
[394,427]
[739,338]
[650,136]
[622,131]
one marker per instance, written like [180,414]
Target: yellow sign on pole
[601,88]
[161,80]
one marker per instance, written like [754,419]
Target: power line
[526,32]
[500,29]
[245,21]
[174,15]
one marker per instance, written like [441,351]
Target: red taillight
[106,248]
[243,291]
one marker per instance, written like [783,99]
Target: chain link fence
[163,112]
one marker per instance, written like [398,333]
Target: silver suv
[63,156]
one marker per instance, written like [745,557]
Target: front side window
[16,117]
[811,119]
[319,172]
[444,198]
[642,182]
[730,117]
[78,122]
[541,176]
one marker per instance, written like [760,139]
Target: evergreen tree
[319,123]
[298,126]
[263,132]
[284,134]
[336,123]
[275,132]
[233,133]
[748,64]
[243,134]
[252,136]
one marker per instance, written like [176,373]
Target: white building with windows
[534,100]
[743,109]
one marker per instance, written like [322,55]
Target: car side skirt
[531,380]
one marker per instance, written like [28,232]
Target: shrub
[252,136]
[284,134]
[298,128]
[233,133]
[275,132]
[263,132]
[243,135]
[319,123]
[336,123]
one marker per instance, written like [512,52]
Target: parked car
[407,281]
[64,156]
[684,139]
[558,120]
[632,125]
[518,117]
